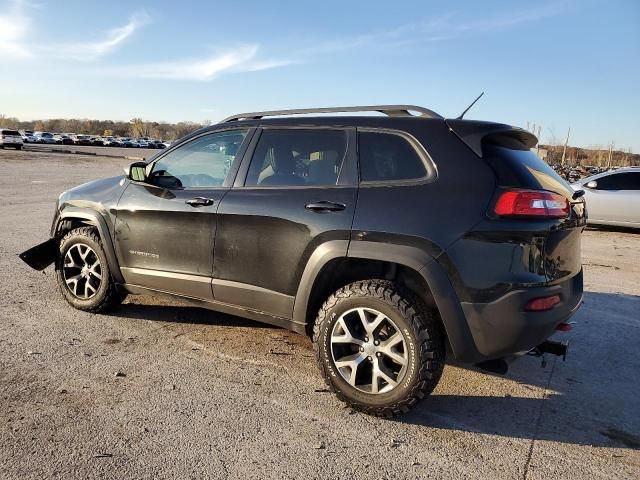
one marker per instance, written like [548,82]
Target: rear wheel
[83,274]
[378,349]
[19,147]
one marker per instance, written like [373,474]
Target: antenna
[469,107]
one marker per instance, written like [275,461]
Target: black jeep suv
[393,241]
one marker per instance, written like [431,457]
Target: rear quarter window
[388,157]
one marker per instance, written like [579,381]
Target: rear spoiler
[473,133]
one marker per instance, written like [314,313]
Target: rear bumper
[503,328]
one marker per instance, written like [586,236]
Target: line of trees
[596,155]
[136,127]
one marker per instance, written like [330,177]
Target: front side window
[388,157]
[200,163]
[620,181]
[297,157]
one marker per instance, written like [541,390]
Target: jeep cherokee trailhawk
[393,241]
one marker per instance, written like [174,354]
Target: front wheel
[83,274]
[379,350]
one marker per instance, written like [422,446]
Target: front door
[165,226]
[297,192]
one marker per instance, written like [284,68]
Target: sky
[555,63]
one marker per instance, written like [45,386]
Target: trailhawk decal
[144,254]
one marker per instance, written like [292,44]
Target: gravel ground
[205,395]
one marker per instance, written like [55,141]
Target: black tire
[19,147]
[422,333]
[108,295]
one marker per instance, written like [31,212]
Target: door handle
[199,202]
[325,206]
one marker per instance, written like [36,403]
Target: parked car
[127,142]
[10,138]
[388,240]
[613,197]
[157,144]
[141,143]
[63,139]
[82,140]
[112,142]
[45,137]
[29,138]
[97,141]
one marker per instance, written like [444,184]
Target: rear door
[295,191]
[165,226]
[521,168]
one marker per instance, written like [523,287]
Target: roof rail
[390,110]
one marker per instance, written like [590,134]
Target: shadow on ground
[579,399]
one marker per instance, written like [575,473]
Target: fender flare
[445,297]
[92,217]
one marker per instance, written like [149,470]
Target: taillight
[542,304]
[531,203]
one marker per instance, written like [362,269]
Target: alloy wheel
[82,271]
[369,350]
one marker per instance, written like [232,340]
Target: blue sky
[557,63]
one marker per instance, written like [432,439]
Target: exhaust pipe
[559,349]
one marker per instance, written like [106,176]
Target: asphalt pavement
[161,390]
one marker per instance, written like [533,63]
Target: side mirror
[137,171]
[591,184]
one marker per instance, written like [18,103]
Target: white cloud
[16,41]
[114,38]
[14,28]
[240,59]
[443,27]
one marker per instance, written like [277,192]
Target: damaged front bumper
[41,256]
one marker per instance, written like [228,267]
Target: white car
[10,138]
[613,197]
[44,137]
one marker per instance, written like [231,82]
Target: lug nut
[362,349]
[378,354]
[370,359]
[376,343]
[366,339]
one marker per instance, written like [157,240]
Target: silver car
[613,197]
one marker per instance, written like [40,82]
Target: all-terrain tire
[108,295]
[423,335]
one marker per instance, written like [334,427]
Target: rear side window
[388,157]
[297,157]
[619,181]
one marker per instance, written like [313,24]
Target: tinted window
[523,169]
[297,158]
[620,181]
[202,162]
[388,157]
[11,132]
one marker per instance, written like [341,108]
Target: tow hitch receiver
[559,349]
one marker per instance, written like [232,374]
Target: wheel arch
[331,268]
[70,217]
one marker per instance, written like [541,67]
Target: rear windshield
[11,132]
[523,169]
